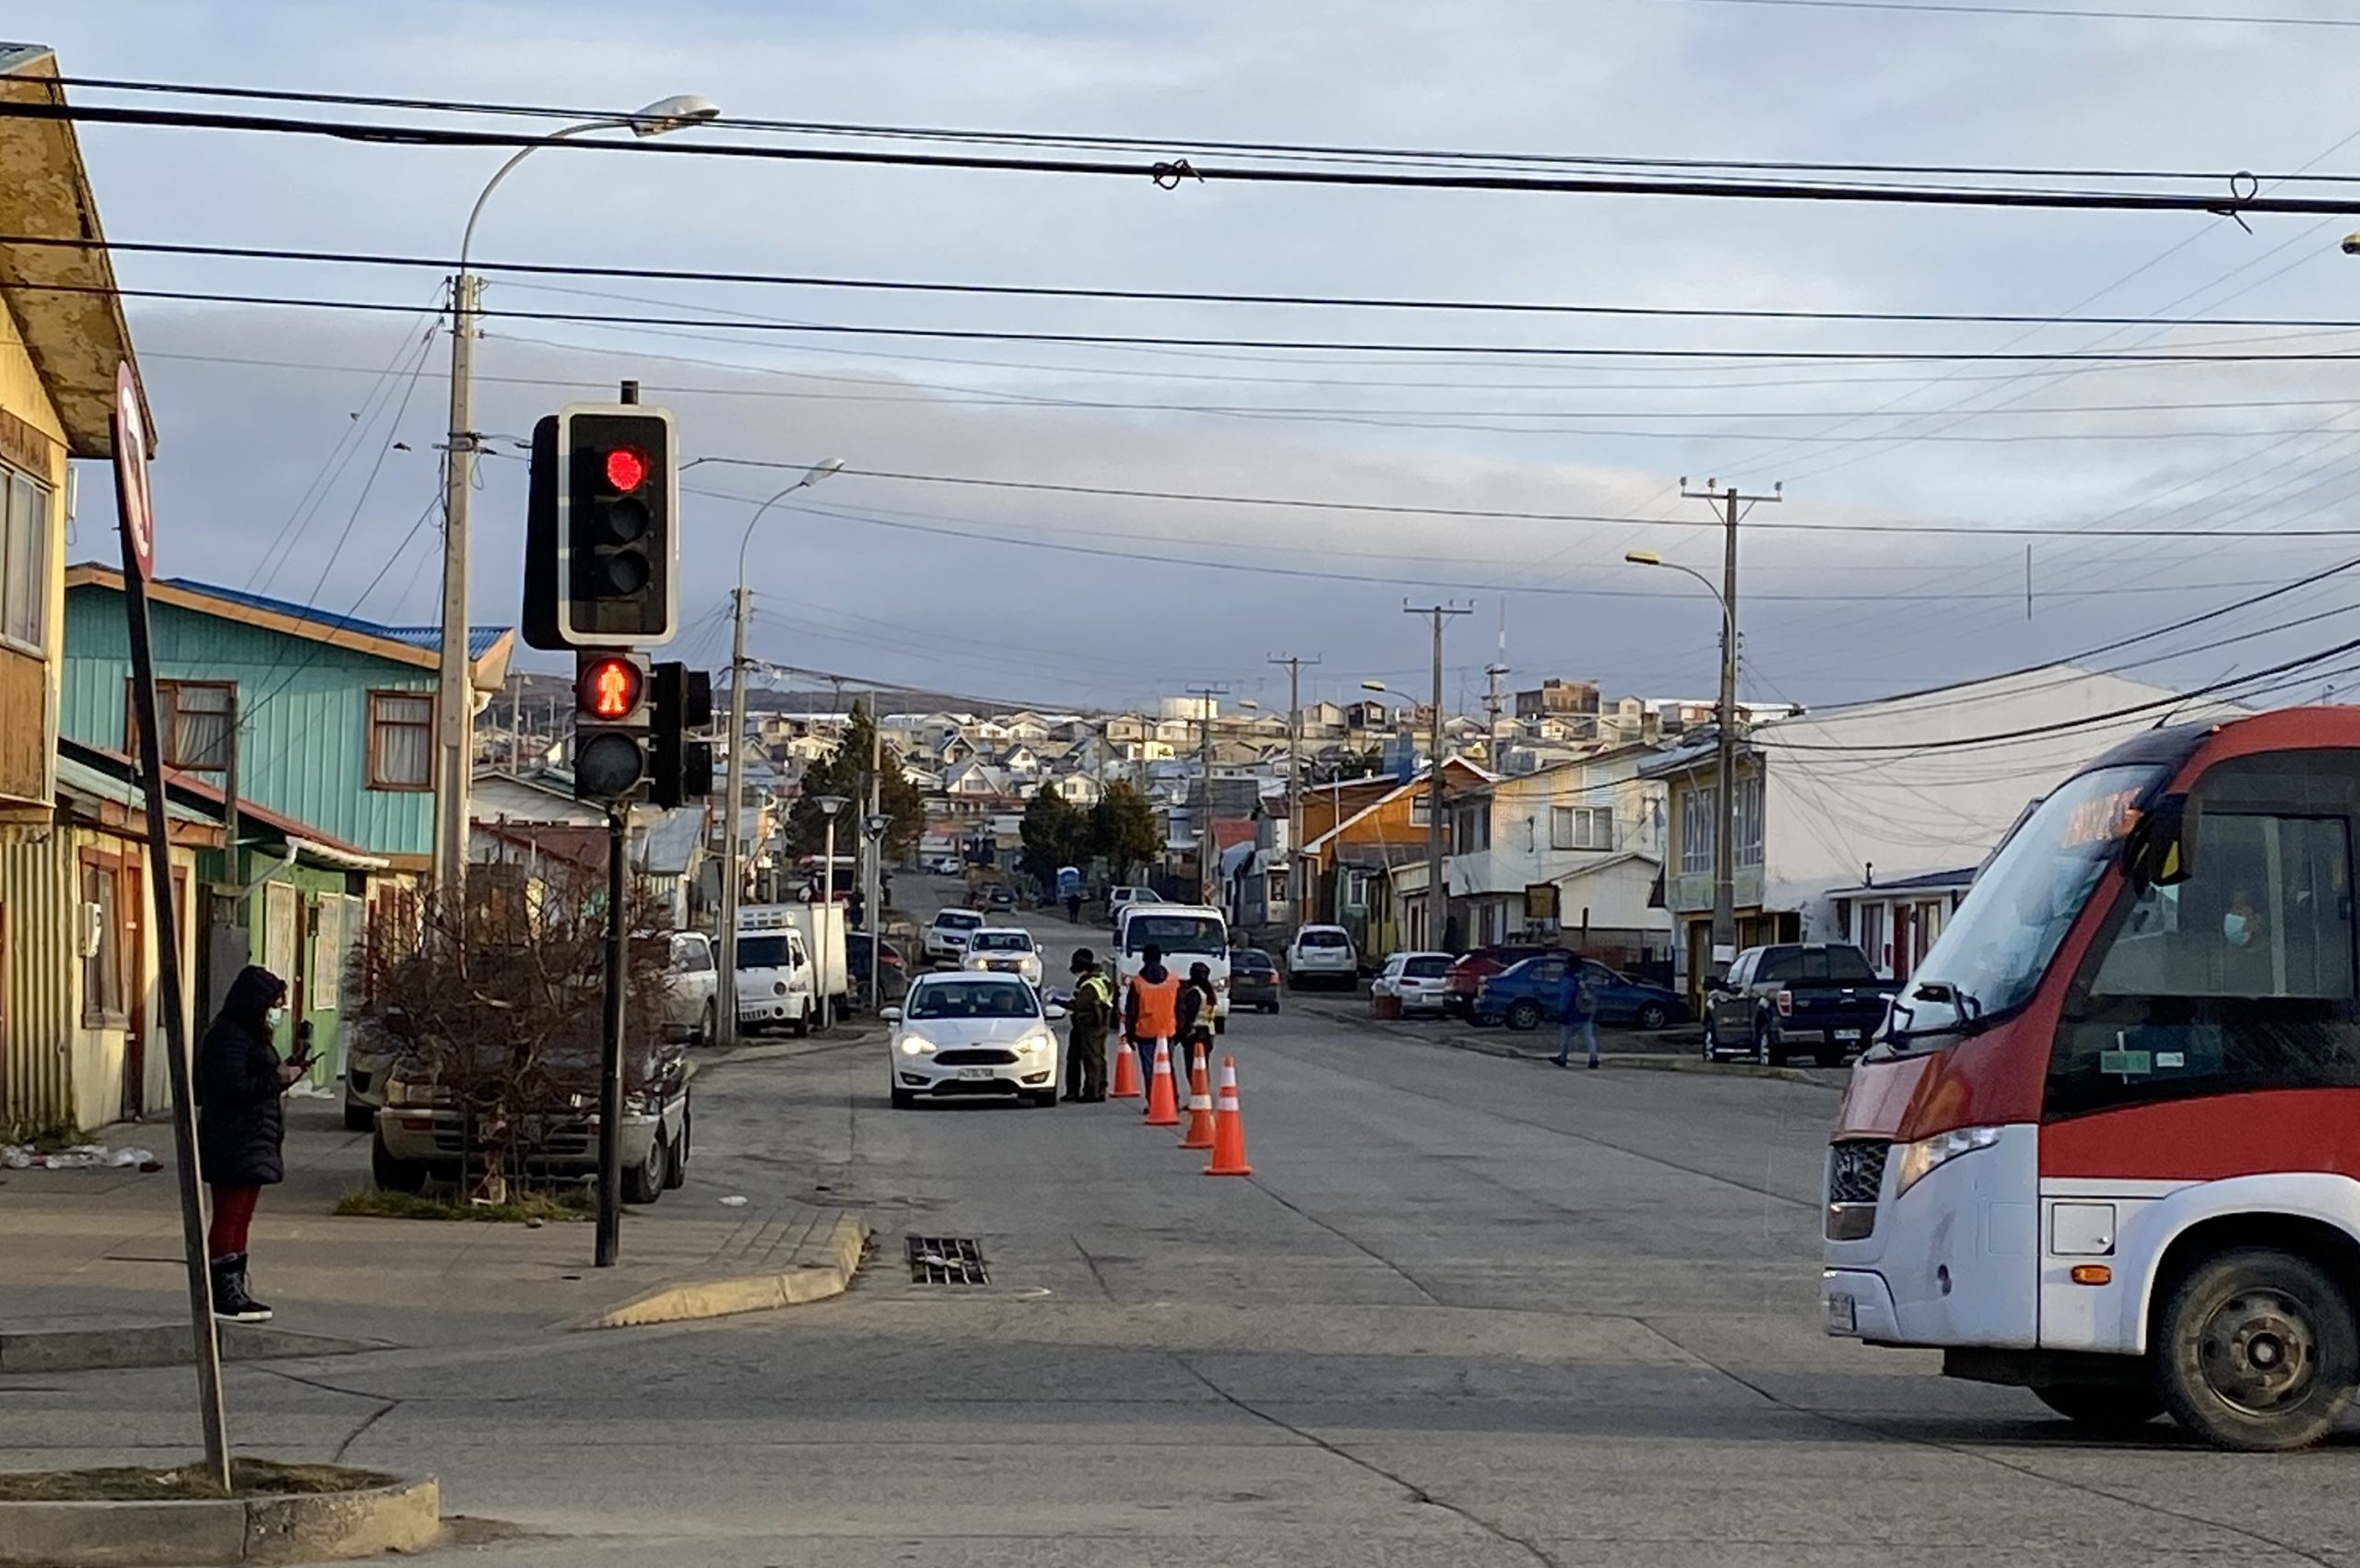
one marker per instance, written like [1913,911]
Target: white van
[1187,934]
[775,970]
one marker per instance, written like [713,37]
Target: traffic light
[610,725]
[599,540]
[681,769]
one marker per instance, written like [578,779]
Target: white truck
[790,958]
[1186,933]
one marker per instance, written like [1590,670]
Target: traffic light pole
[610,1061]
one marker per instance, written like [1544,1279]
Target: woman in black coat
[240,1126]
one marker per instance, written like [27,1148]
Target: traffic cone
[1162,1109]
[1229,1127]
[1199,1134]
[1127,1071]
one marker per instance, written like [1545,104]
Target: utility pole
[733,870]
[872,894]
[1295,890]
[1437,890]
[455,704]
[1208,697]
[1725,751]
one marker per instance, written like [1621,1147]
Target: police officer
[1090,1014]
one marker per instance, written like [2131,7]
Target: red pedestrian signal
[610,726]
[609,689]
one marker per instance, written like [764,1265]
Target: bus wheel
[2104,1407]
[2257,1351]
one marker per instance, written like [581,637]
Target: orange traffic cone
[1229,1127]
[1162,1109]
[1199,1134]
[1127,1071]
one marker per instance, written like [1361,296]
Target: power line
[1940,7]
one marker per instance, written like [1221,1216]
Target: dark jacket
[240,1123]
[1197,1003]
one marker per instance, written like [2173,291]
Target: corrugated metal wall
[37,968]
[305,707]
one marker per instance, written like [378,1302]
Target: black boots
[231,1301]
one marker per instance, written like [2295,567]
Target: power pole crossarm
[1437,890]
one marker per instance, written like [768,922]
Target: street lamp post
[872,828]
[1725,763]
[456,700]
[733,870]
[829,806]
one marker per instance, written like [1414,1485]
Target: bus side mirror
[2160,849]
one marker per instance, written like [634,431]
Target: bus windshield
[1993,952]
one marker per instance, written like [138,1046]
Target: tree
[1123,829]
[846,773]
[1056,835]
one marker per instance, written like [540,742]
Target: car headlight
[917,1046]
[409,1092]
[1918,1160]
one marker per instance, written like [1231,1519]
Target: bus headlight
[1918,1160]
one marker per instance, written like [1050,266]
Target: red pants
[233,1210]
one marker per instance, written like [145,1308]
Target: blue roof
[480,639]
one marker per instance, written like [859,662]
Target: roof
[1925,882]
[76,777]
[488,646]
[309,843]
[668,845]
[63,297]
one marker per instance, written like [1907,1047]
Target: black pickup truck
[1819,997]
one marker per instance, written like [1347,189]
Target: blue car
[1529,994]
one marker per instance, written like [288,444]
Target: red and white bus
[2108,1145]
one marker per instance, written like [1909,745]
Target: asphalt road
[1467,1310]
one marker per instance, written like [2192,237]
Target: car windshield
[1001,942]
[1431,966]
[761,952]
[692,958]
[1999,942]
[958,920]
[1175,933]
[970,999]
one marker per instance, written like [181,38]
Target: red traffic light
[626,469]
[607,689]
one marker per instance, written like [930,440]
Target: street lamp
[1725,762]
[873,828]
[829,806]
[457,685]
[734,790]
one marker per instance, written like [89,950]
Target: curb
[158,1344]
[751,1292]
[303,1527]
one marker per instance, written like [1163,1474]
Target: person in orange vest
[1150,1007]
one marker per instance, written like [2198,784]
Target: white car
[969,1033]
[1322,955]
[1418,980]
[692,990]
[1004,949]
[1121,899]
[947,936]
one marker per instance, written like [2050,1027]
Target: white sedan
[1420,980]
[1009,950]
[970,1033]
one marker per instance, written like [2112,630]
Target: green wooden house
[316,731]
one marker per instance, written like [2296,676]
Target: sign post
[135,511]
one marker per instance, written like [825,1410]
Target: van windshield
[763,952]
[1177,934]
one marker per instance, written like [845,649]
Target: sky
[298,448]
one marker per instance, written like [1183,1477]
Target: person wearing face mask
[241,1126]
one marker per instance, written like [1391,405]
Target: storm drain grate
[947,1260]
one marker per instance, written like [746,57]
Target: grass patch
[248,1478]
[566,1204]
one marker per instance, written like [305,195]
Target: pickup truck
[1819,997]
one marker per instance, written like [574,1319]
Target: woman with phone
[241,1124]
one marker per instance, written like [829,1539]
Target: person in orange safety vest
[1150,1007]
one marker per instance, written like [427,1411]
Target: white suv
[947,937]
[1322,955]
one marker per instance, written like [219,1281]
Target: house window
[1749,822]
[24,560]
[194,718]
[1473,831]
[401,740]
[103,942]
[1581,827]
[1699,830]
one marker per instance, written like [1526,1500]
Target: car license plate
[1843,1316]
[1847,1034]
[976,1074]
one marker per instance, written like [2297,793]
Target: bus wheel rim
[2259,1351]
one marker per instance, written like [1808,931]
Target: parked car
[1527,994]
[1322,955]
[970,1033]
[1471,969]
[1004,949]
[946,934]
[999,896]
[889,958]
[1418,981]
[1823,994]
[1122,898]
[692,990]
[1253,980]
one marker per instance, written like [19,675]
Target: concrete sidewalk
[99,1249]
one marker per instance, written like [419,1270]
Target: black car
[1001,896]
[1822,995]
[1253,979]
[897,971]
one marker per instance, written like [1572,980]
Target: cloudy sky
[299,447]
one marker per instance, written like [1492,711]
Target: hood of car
[956,1032]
